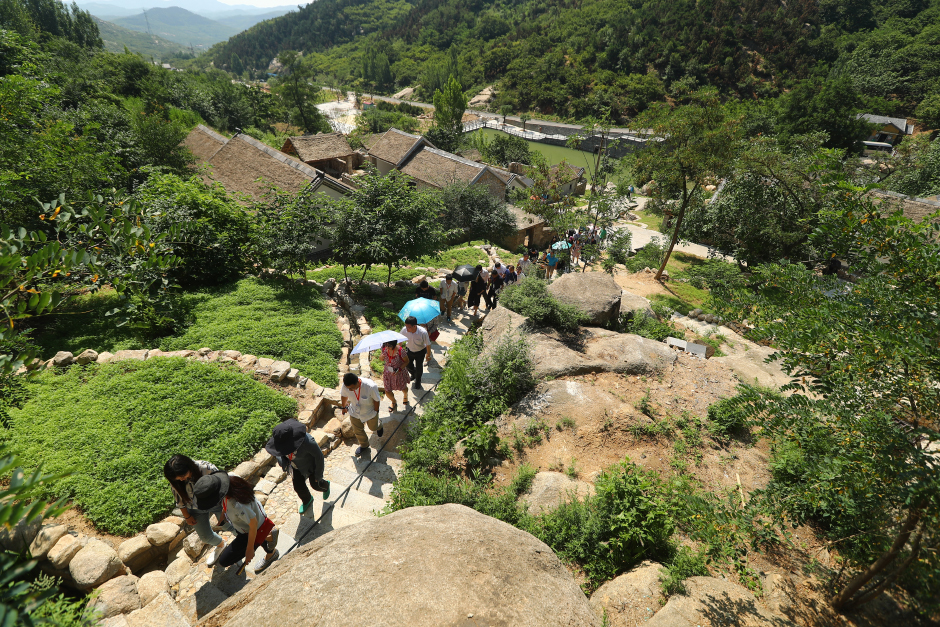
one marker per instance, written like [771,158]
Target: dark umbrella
[465,273]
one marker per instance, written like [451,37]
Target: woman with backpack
[252,526]
[183,473]
[299,456]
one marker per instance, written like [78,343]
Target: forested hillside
[576,58]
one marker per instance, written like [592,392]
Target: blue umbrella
[421,308]
[562,245]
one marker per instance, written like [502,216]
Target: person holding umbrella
[477,289]
[360,397]
[395,373]
[301,457]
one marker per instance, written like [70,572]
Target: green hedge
[113,427]
[273,319]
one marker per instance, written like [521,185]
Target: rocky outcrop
[47,538]
[711,602]
[95,564]
[445,565]
[596,294]
[551,489]
[631,303]
[20,537]
[597,350]
[632,598]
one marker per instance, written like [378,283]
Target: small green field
[275,319]
[279,320]
[109,429]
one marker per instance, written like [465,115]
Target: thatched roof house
[321,147]
[243,164]
[393,148]
[203,142]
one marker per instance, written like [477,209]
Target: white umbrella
[374,341]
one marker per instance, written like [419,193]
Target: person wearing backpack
[299,455]
[183,472]
[252,526]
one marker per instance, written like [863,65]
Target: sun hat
[210,489]
[287,438]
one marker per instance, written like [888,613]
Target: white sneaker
[214,555]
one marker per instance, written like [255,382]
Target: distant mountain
[116,37]
[206,8]
[179,25]
[243,21]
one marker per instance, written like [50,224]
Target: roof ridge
[453,157]
[208,131]
[280,156]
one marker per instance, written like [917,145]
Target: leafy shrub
[114,426]
[684,564]
[626,521]
[733,415]
[214,230]
[650,256]
[713,273]
[476,213]
[530,298]
[473,391]
[275,319]
[640,323]
[619,248]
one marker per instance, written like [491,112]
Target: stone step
[384,469]
[343,477]
[358,502]
[297,525]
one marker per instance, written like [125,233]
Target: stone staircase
[202,589]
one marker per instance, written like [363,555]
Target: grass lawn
[111,428]
[263,318]
[463,254]
[377,274]
[266,319]
[653,222]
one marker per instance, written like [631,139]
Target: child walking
[252,526]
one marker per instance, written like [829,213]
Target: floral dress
[391,379]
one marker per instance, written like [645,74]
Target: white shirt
[523,266]
[417,341]
[448,291]
[501,271]
[241,514]
[485,274]
[362,401]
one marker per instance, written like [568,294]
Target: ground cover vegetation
[124,418]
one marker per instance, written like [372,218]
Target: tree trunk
[839,601]
[686,198]
[388,282]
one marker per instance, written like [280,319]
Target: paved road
[641,237]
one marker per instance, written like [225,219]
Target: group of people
[201,490]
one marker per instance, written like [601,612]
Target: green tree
[449,107]
[475,213]
[291,229]
[386,221]
[505,149]
[690,145]
[295,85]
[504,111]
[831,106]
[238,68]
[928,111]
[524,117]
[851,439]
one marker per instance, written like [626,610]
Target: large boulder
[597,350]
[710,602]
[632,598]
[596,294]
[136,553]
[630,303]
[20,537]
[160,534]
[63,551]
[444,565]
[46,539]
[118,596]
[95,564]
[551,489]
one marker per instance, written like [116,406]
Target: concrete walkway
[641,236]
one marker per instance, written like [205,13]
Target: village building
[887,133]
[244,165]
[329,152]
